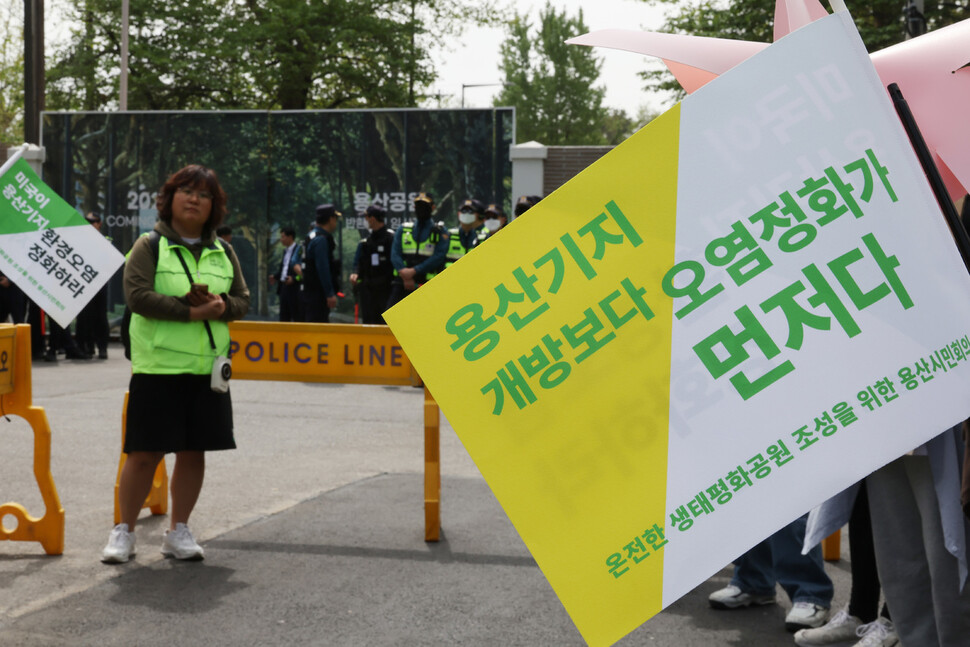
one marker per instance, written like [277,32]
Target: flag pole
[932,173]
[17,153]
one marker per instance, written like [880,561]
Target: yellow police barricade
[15,399]
[341,353]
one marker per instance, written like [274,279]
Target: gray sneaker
[180,544]
[840,630]
[121,545]
[877,634]
[732,597]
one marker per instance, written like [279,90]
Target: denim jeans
[779,559]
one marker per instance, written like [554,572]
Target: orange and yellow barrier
[15,399]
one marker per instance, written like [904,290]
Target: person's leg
[864,594]
[397,293]
[289,296]
[381,295]
[363,305]
[753,582]
[802,577]
[100,323]
[315,307]
[83,333]
[135,484]
[187,477]
[951,608]
[285,314]
[900,554]
[753,571]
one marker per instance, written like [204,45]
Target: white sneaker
[180,544]
[805,615]
[840,629]
[732,597]
[121,545]
[877,634]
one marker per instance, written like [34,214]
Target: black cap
[525,202]
[472,205]
[326,211]
[377,211]
[494,209]
[424,197]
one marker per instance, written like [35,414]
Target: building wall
[564,162]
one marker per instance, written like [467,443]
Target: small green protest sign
[47,248]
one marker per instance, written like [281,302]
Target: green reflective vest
[456,250]
[173,347]
[414,253]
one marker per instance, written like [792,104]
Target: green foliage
[880,22]
[11,73]
[551,84]
[256,54]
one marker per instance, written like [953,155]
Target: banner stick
[16,155]
[960,236]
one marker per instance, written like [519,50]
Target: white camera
[221,372]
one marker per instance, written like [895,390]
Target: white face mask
[492,224]
[466,217]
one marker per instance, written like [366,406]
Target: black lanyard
[208,329]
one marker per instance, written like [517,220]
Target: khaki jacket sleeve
[139,284]
[237,300]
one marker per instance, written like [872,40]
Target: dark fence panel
[276,167]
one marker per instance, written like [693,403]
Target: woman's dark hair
[196,177]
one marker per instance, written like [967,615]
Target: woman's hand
[212,307]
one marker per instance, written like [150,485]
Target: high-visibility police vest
[414,253]
[173,347]
[455,248]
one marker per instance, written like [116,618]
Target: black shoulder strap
[153,240]
[188,273]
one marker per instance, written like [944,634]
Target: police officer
[524,203]
[321,270]
[373,271]
[495,218]
[470,232]
[419,250]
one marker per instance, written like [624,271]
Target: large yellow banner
[554,311]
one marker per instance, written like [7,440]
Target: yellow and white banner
[741,310]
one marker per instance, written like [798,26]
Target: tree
[551,84]
[11,72]
[881,23]
[255,54]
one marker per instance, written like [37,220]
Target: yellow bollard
[157,500]
[432,468]
[15,399]
[832,546]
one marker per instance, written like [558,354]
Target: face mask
[492,224]
[466,217]
[422,210]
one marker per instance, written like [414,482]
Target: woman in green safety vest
[182,293]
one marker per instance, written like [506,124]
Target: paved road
[313,532]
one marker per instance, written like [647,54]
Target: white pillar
[33,154]
[528,169]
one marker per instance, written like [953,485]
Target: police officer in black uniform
[373,271]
